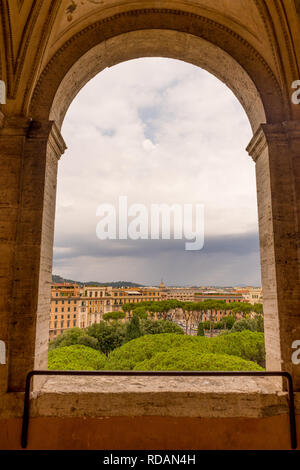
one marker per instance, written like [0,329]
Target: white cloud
[156,130]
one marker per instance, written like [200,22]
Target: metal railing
[83,373]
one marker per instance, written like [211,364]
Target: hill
[115,284]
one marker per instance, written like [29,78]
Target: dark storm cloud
[76,247]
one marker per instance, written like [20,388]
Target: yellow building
[64,310]
[133,295]
[75,306]
[95,302]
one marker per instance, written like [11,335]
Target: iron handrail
[84,373]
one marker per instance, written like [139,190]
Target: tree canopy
[114,316]
[175,359]
[133,328]
[150,327]
[76,357]
[68,338]
[252,324]
[246,345]
[109,335]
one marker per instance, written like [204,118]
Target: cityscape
[134,327]
[75,305]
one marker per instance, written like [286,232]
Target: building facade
[64,308]
[74,306]
[254,295]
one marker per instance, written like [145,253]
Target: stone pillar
[28,171]
[275,149]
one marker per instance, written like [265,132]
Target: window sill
[157,396]
[222,397]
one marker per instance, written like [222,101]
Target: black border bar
[103,373]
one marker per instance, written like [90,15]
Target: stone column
[275,149]
[28,170]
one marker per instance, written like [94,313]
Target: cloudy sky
[157,131]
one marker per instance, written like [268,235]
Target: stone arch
[162,43]
[36,144]
[165,33]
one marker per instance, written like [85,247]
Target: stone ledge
[168,396]
[139,396]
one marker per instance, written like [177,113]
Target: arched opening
[232,59]
[180,45]
[157,131]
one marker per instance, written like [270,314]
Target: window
[133,297]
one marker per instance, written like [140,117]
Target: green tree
[68,338]
[154,327]
[187,308]
[114,316]
[175,359]
[246,345]
[259,323]
[252,324]
[109,335]
[76,357]
[141,312]
[258,308]
[244,308]
[89,341]
[244,324]
[228,322]
[133,329]
[140,349]
[200,331]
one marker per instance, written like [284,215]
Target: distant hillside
[116,284]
